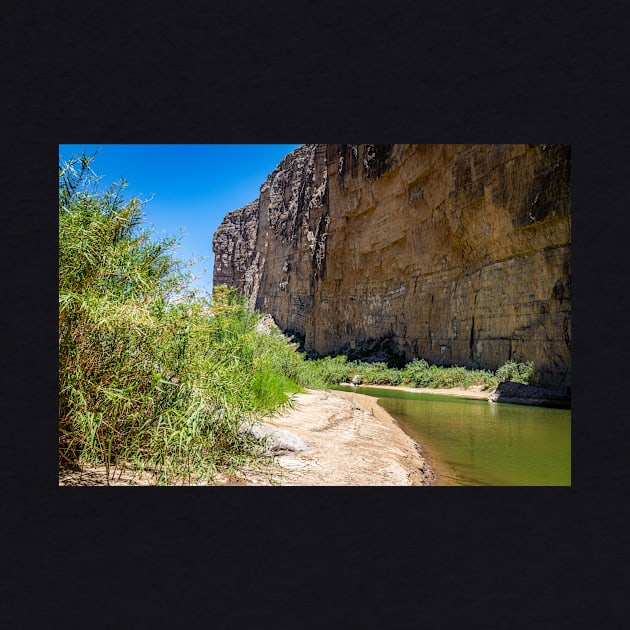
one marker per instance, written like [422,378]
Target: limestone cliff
[459,254]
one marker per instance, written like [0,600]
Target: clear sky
[193,186]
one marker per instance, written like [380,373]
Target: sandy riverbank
[476,391]
[352,441]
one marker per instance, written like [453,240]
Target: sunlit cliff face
[459,254]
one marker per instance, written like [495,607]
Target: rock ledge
[520,394]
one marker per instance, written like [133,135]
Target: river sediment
[475,391]
[352,442]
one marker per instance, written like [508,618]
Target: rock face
[459,254]
[520,394]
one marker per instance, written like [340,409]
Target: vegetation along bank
[154,377]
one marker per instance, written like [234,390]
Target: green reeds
[146,380]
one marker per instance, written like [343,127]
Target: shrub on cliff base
[332,370]
[417,373]
[517,372]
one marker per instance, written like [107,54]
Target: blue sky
[193,186]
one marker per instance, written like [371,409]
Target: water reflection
[484,443]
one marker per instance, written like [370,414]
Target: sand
[352,442]
[476,391]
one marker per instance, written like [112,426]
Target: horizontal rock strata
[459,254]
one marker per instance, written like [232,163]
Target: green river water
[476,443]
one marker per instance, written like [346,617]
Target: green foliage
[154,376]
[517,372]
[374,373]
[331,370]
[417,373]
[150,374]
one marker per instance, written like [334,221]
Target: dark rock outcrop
[459,254]
[520,394]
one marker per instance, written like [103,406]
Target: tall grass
[146,380]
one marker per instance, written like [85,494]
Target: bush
[331,370]
[517,372]
[144,379]
[376,373]
[417,373]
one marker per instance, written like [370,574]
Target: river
[476,443]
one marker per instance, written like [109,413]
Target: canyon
[458,254]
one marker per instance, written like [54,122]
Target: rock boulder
[275,441]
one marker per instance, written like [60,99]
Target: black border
[322,72]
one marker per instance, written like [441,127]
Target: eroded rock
[459,254]
[521,394]
[275,441]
